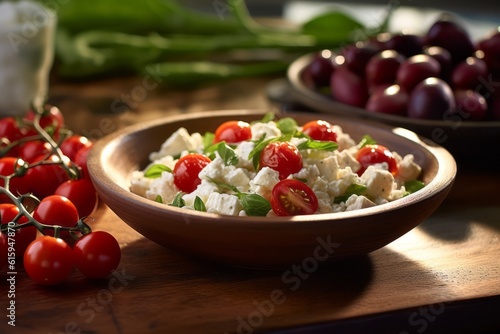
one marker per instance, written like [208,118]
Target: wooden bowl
[260,242]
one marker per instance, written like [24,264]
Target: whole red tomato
[283,157]
[18,184]
[71,145]
[375,154]
[81,193]
[56,210]
[48,260]
[233,132]
[97,254]
[320,130]
[44,179]
[25,235]
[186,171]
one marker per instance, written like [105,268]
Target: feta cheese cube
[408,169]
[345,178]
[355,202]
[223,204]
[379,182]
[328,168]
[266,130]
[243,150]
[178,141]
[203,191]
[264,182]
[139,184]
[164,187]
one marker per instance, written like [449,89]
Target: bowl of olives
[442,84]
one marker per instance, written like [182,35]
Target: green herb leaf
[154,171]
[254,204]
[268,117]
[287,125]
[208,140]
[199,205]
[318,145]
[353,189]
[224,186]
[159,199]
[178,201]
[367,140]
[413,186]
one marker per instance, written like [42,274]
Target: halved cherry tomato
[25,235]
[283,157]
[292,197]
[81,193]
[374,154]
[186,171]
[320,130]
[48,260]
[96,254]
[233,132]
[56,210]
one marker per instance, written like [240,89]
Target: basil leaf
[227,154]
[254,204]
[225,186]
[199,205]
[413,186]
[287,125]
[208,140]
[154,171]
[268,117]
[367,140]
[159,199]
[353,189]
[178,201]
[318,145]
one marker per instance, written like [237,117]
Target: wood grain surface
[442,277]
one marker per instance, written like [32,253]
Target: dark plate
[466,140]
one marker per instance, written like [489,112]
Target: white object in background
[26,54]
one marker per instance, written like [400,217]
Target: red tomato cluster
[35,167]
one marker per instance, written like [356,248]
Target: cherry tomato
[233,132]
[71,145]
[292,197]
[9,129]
[81,193]
[25,235]
[96,254]
[48,260]
[33,149]
[283,157]
[18,184]
[81,160]
[51,118]
[56,210]
[320,130]
[374,154]
[45,179]
[186,171]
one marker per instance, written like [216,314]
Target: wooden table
[442,277]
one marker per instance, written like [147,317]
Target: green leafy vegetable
[413,186]
[171,42]
[154,171]
[199,205]
[178,201]
[226,152]
[367,140]
[253,204]
[353,189]
[287,125]
[159,199]
[318,145]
